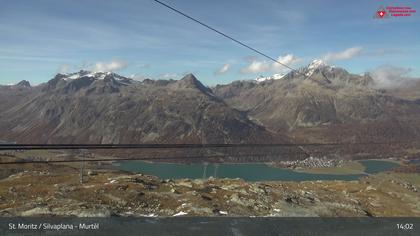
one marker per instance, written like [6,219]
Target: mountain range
[321,103]
[317,103]
[86,107]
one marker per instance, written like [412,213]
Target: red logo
[381,13]
[393,11]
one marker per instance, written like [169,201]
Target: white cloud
[343,55]
[256,66]
[288,59]
[387,76]
[168,76]
[225,68]
[138,77]
[63,68]
[113,65]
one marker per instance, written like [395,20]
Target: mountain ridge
[108,108]
[324,100]
[331,105]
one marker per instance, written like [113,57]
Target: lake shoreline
[246,171]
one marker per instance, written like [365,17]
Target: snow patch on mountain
[314,65]
[308,71]
[273,77]
[96,75]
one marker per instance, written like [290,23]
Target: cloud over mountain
[222,70]
[343,55]
[387,76]
[113,65]
[257,66]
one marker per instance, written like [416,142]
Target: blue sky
[140,38]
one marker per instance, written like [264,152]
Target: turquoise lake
[248,171]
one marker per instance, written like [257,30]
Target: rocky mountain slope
[11,95]
[410,90]
[318,103]
[322,102]
[86,107]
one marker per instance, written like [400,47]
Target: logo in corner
[394,11]
[381,13]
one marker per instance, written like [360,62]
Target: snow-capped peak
[77,75]
[99,75]
[273,77]
[315,64]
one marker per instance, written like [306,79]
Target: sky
[142,39]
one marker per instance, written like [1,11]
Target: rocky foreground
[111,193]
